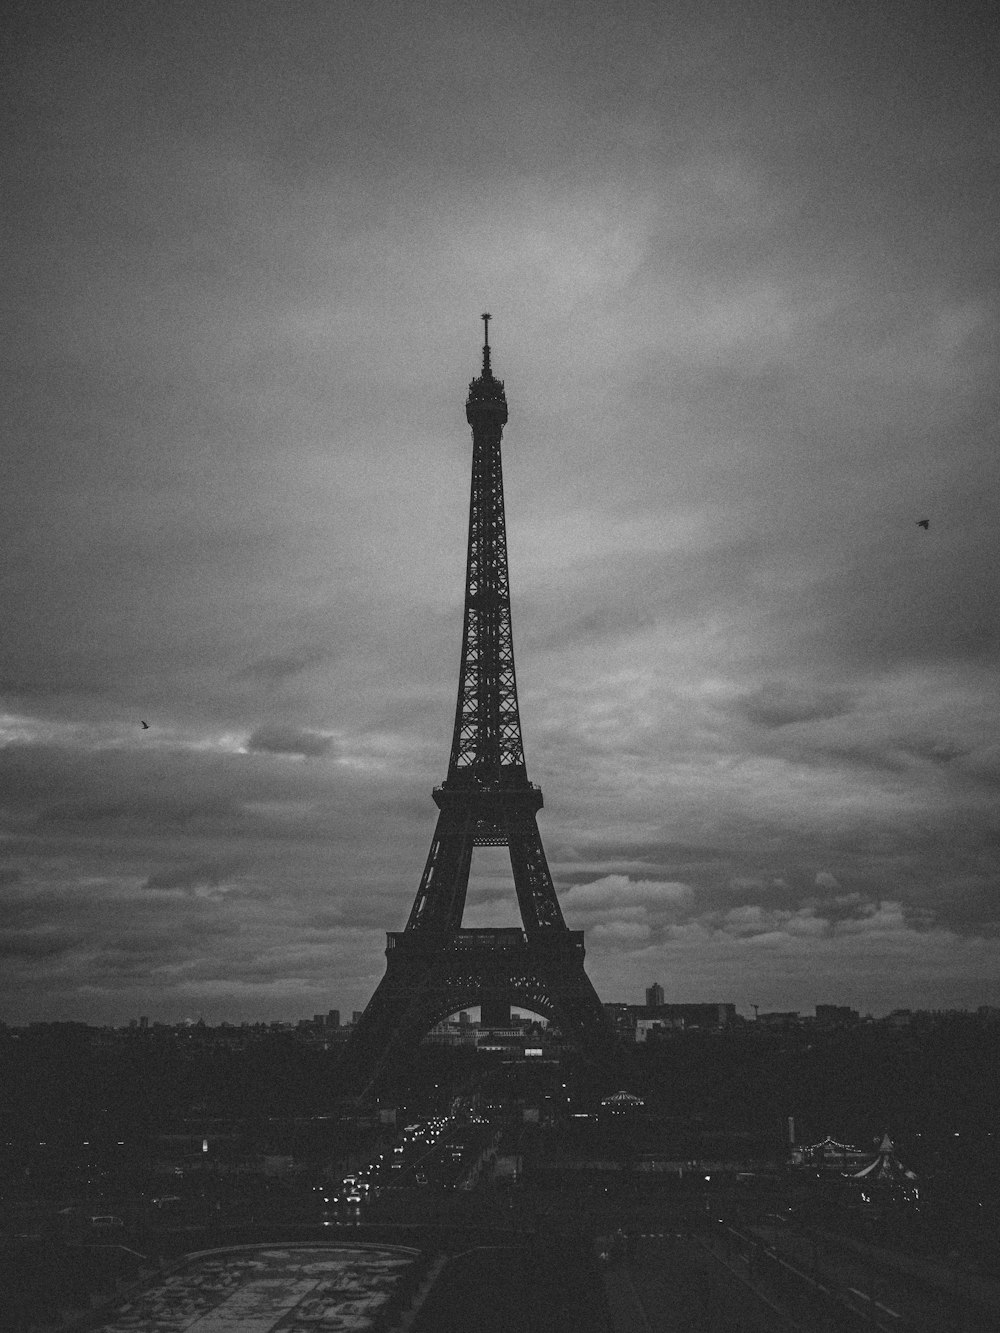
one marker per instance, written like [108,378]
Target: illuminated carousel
[885,1180]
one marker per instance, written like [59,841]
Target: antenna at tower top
[486,344]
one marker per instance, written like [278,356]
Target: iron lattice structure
[435,967]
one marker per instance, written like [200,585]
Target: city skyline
[825,1013]
[743,282]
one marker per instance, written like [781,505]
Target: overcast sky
[742,265]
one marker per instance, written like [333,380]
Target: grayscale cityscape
[316,1013]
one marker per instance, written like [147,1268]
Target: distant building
[451,1034]
[622,1020]
[333,1018]
[634,1022]
[780,1018]
[686,1016]
[644,1027]
[654,995]
[357,1015]
[506,1038]
[836,1016]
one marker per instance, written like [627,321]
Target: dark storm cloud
[652,853]
[937,751]
[209,875]
[779,704]
[26,907]
[841,907]
[945,877]
[275,669]
[74,785]
[289,740]
[958,773]
[617,594]
[327,918]
[968,903]
[30,945]
[141,812]
[889,611]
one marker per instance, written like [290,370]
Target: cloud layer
[742,269]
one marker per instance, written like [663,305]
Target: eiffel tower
[435,967]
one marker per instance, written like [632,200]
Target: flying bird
[924,523]
[145,726]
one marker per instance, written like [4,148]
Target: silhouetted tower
[435,967]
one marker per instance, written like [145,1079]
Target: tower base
[428,979]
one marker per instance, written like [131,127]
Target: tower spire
[486,345]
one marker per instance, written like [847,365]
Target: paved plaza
[291,1288]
